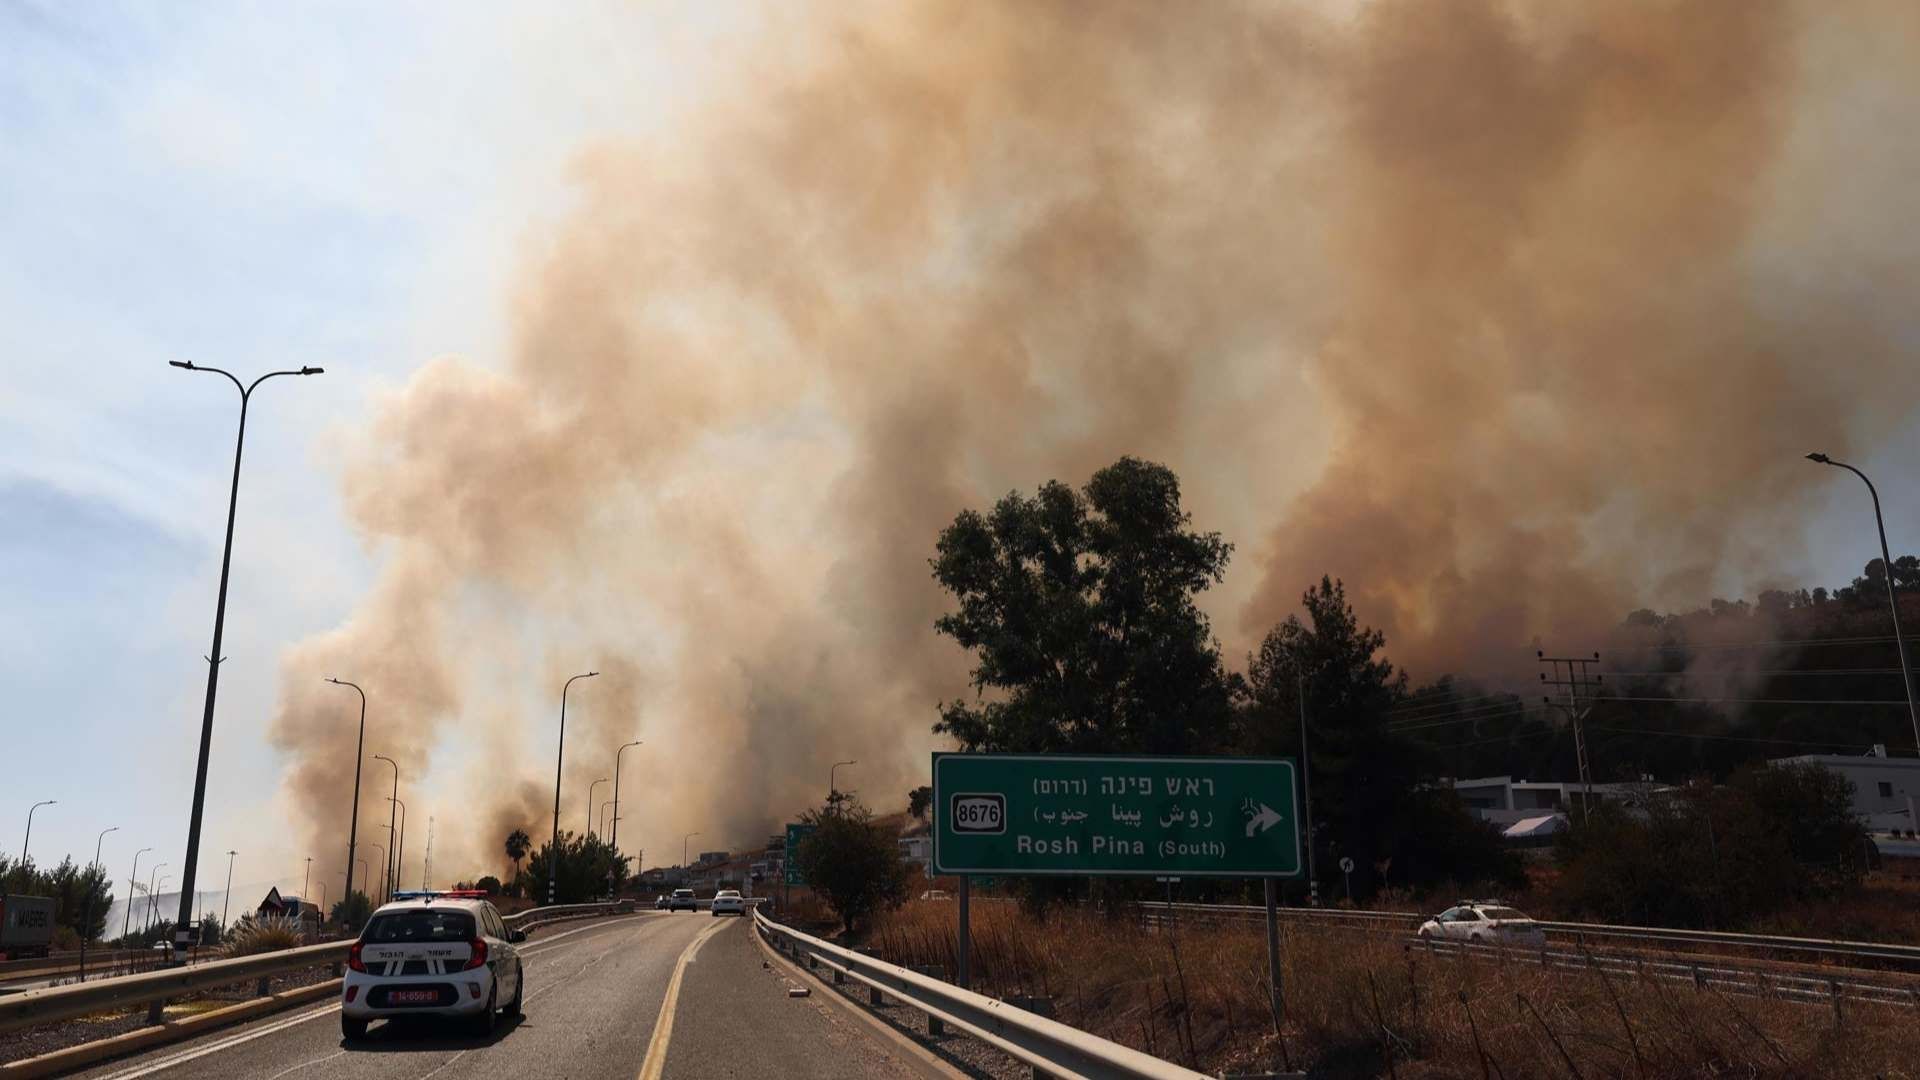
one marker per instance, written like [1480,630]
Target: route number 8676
[979,813]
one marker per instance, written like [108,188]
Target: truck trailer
[26,926]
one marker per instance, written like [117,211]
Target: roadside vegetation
[1357,1005]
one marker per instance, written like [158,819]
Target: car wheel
[1477,940]
[1426,935]
[519,990]
[352,1030]
[483,1023]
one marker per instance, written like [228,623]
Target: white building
[1505,801]
[1885,789]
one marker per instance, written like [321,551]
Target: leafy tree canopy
[852,862]
[1079,609]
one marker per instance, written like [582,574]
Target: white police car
[433,954]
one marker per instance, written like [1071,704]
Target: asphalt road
[594,995]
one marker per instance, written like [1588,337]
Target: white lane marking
[656,1061]
[304,1064]
[444,1064]
[281,1025]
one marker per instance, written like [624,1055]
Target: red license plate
[413,997]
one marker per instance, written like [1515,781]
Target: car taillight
[479,956]
[353,959]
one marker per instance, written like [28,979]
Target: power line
[1457,720]
[1761,701]
[1769,672]
[1727,738]
[1800,643]
[1436,708]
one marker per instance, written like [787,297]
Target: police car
[433,954]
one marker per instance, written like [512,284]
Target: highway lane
[594,994]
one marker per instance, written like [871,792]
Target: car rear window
[1502,913]
[431,924]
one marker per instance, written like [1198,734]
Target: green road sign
[795,834]
[1112,816]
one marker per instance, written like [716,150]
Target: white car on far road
[1484,922]
[728,902]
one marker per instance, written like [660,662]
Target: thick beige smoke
[1482,309]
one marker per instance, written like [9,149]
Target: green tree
[1079,608]
[518,844]
[1363,774]
[351,912]
[68,885]
[586,861]
[919,801]
[489,885]
[852,862]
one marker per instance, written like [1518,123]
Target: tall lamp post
[616,795]
[152,899]
[359,756]
[181,934]
[133,882]
[591,788]
[603,814]
[1886,561]
[86,928]
[559,758]
[375,896]
[391,809]
[226,903]
[400,845]
[29,838]
[832,790]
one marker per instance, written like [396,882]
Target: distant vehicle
[661,903]
[26,926]
[728,902]
[1484,922]
[433,956]
[936,894]
[682,898]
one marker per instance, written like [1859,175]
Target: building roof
[1842,761]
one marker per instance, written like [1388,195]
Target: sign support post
[1273,949]
[963,976]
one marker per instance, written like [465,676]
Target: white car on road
[682,898]
[433,956]
[1484,922]
[729,902]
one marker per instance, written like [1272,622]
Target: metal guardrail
[65,1002]
[1047,1045]
[1577,931]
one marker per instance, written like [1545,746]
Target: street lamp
[603,814]
[307,882]
[226,902]
[559,757]
[831,789]
[86,928]
[29,838]
[153,898]
[390,813]
[1886,561]
[400,845]
[133,882]
[616,793]
[683,848]
[181,934]
[383,862]
[359,756]
[591,788]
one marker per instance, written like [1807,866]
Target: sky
[241,186]
[260,187]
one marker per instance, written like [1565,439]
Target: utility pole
[1306,794]
[1574,675]
[426,868]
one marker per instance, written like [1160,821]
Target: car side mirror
[516,936]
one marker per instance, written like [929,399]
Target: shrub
[264,934]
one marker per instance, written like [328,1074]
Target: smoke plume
[1512,316]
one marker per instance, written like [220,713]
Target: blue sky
[251,187]
[257,186]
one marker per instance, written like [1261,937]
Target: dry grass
[1356,1005]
